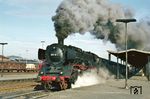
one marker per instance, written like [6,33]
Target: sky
[25,23]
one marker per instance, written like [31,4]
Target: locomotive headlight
[61,73]
[41,73]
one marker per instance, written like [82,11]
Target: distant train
[63,64]
[12,66]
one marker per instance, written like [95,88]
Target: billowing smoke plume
[98,17]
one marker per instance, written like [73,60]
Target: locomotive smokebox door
[41,54]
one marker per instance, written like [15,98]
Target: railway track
[14,85]
[22,89]
[30,94]
[17,80]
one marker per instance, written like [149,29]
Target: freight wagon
[12,66]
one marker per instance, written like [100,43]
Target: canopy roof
[136,58]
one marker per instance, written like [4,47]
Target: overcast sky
[25,23]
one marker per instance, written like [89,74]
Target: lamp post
[27,57]
[42,44]
[126,45]
[2,55]
[3,49]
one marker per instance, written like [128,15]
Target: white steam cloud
[89,78]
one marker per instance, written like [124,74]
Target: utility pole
[126,45]
[2,55]
[27,57]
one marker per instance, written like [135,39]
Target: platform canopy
[137,58]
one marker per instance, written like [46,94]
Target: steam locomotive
[62,64]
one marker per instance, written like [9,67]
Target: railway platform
[112,89]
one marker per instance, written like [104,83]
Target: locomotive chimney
[60,41]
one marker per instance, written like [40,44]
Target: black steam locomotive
[62,65]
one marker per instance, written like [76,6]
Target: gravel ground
[10,87]
[112,89]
